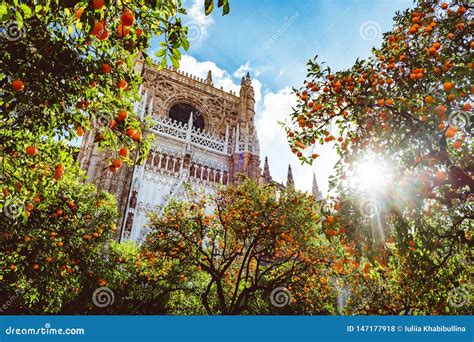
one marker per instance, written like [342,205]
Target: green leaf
[160,53]
[226,8]
[208,6]
[26,10]
[185,44]
[4,15]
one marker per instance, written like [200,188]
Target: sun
[372,173]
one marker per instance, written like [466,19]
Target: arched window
[181,112]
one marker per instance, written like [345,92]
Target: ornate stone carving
[206,159]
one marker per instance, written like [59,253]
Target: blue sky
[273,40]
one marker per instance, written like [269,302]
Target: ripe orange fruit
[97,29]
[389,102]
[104,34]
[432,50]
[49,259]
[122,84]
[31,150]
[139,32]
[123,152]
[127,18]
[457,144]
[444,5]
[12,267]
[79,12]
[451,97]
[451,132]
[381,102]
[58,172]
[117,163]
[441,112]
[440,175]
[441,126]
[447,86]
[300,144]
[130,132]
[112,124]
[106,68]
[97,4]
[314,155]
[122,115]
[466,107]
[137,136]
[113,168]
[18,85]
[60,244]
[122,30]
[35,266]
[330,219]
[79,131]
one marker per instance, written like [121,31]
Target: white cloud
[220,77]
[197,22]
[242,70]
[247,68]
[273,144]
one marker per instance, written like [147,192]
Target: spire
[226,141]
[317,195]
[246,137]
[209,77]
[290,183]
[237,139]
[266,170]
[150,107]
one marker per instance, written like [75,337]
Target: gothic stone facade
[204,136]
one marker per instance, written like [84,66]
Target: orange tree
[49,244]
[405,112]
[67,66]
[257,250]
[124,281]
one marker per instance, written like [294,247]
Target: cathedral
[204,137]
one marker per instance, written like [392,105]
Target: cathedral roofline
[194,79]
